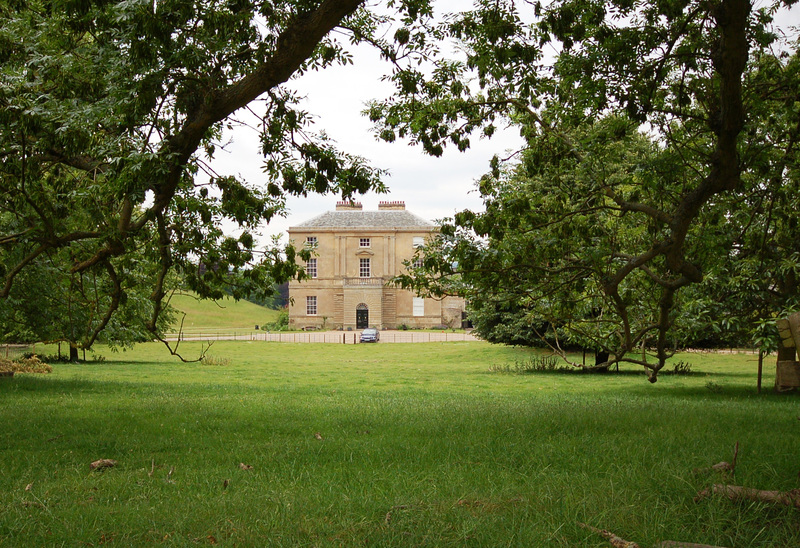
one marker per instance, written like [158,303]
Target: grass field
[387,445]
[226,314]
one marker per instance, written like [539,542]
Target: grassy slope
[421,445]
[227,314]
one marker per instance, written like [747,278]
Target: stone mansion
[356,253]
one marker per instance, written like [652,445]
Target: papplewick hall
[356,253]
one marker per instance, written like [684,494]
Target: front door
[362,318]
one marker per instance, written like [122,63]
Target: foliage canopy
[656,198]
[108,111]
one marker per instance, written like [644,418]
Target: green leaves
[105,109]
[599,235]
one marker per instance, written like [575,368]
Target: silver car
[370,335]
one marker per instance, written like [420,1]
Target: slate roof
[367,219]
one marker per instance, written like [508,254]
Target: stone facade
[357,252]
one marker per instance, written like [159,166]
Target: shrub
[55,358]
[281,324]
[64,358]
[533,364]
[215,360]
[682,368]
[30,364]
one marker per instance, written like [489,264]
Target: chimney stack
[348,206]
[388,206]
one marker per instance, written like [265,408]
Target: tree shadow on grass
[574,372]
[739,386]
[47,384]
[717,388]
[626,373]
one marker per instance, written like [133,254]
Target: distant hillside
[223,314]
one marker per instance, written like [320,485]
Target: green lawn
[226,314]
[387,445]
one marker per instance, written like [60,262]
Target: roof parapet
[348,206]
[397,206]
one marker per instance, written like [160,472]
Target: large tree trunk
[600,357]
[73,352]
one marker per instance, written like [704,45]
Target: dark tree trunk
[600,357]
[73,352]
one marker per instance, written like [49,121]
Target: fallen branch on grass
[103,463]
[674,544]
[737,492]
[726,468]
[616,542]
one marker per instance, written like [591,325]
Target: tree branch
[116,297]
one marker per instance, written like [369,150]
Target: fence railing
[331,337]
[374,282]
[15,351]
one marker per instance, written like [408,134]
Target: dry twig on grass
[738,492]
[726,468]
[102,464]
[674,544]
[616,542]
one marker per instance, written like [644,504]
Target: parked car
[370,335]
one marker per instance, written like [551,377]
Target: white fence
[331,337]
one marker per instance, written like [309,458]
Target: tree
[50,305]
[537,271]
[107,110]
[712,85]
[758,280]
[278,300]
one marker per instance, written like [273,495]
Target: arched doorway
[362,316]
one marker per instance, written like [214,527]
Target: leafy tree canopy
[107,113]
[656,199]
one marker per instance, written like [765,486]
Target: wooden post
[760,365]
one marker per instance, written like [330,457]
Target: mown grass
[226,314]
[421,445]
